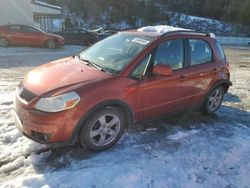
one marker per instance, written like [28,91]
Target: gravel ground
[187,150]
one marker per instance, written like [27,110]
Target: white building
[31,12]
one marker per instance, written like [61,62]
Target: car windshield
[114,53]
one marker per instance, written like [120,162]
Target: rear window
[15,28]
[220,50]
[71,31]
[30,29]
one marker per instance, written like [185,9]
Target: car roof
[18,25]
[165,30]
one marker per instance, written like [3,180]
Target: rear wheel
[51,44]
[213,100]
[3,42]
[103,129]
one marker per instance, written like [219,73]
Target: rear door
[15,35]
[161,94]
[202,68]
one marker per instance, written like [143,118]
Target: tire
[51,44]
[4,42]
[213,100]
[103,129]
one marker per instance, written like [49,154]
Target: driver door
[32,36]
[161,94]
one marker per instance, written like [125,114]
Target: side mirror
[162,70]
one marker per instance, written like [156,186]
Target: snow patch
[180,135]
[161,29]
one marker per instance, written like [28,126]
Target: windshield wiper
[88,62]
[91,63]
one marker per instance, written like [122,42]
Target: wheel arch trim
[109,103]
[225,83]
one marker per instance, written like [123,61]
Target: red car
[22,35]
[129,77]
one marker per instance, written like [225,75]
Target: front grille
[26,94]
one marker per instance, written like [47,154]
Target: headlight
[58,103]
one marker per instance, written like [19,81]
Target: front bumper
[42,138]
[27,132]
[45,128]
[60,42]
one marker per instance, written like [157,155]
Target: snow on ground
[187,150]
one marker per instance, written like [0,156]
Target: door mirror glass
[162,70]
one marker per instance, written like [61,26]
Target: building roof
[40,3]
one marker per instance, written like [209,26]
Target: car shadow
[160,137]
[154,131]
[229,97]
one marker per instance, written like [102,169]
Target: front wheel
[51,44]
[213,100]
[103,129]
[3,42]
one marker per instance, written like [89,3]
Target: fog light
[43,137]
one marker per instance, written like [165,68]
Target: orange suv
[129,77]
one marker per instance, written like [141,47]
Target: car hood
[60,74]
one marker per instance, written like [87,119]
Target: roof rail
[129,28]
[211,35]
[165,30]
[180,31]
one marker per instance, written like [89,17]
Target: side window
[75,31]
[140,71]
[15,28]
[220,50]
[67,31]
[30,30]
[201,52]
[71,31]
[171,53]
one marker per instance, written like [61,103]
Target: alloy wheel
[105,130]
[3,42]
[51,44]
[215,99]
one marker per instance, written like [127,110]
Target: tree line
[234,11]
[151,11]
